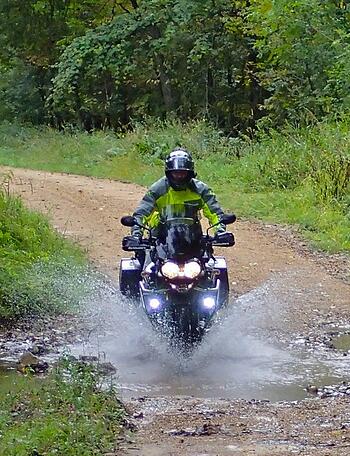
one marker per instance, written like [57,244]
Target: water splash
[245,354]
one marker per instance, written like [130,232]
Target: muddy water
[342,342]
[247,354]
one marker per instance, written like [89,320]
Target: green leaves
[101,63]
[299,49]
[34,259]
[65,413]
[162,58]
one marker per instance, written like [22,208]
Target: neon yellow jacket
[162,199]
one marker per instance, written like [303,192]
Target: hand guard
[131,242]
[224,239]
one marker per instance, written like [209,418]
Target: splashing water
[239,357]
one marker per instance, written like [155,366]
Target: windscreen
[180,232]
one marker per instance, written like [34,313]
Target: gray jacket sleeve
[148,204]
[143,210]
[212,209]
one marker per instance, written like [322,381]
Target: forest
[240,64]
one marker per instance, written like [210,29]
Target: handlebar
[130,243]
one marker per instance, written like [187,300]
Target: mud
[270,378]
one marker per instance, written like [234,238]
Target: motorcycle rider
[178,191]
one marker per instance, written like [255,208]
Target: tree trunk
[165,82]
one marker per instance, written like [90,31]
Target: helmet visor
[179,163]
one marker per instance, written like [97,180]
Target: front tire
[186,330]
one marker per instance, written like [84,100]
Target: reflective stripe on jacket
[161,198]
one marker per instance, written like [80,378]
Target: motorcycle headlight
[170,270]
[192,269]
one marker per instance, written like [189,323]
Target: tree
[163,57]
[299,45]
[32,36]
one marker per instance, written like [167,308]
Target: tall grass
[298,176]
[35,262]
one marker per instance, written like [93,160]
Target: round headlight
[170,270]
[192,269]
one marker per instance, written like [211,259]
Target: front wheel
[185,326]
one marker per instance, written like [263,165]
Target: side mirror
[128,220]
[227,219]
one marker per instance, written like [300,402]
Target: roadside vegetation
[102,63]
[66,413]
[298,176]
[69,411]
[40,271]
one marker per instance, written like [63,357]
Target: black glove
[136,232]
[136,236]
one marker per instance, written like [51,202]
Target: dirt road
[295,295]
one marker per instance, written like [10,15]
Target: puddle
[244,367]
[341,342]
[238,358]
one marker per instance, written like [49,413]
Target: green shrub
[331,177]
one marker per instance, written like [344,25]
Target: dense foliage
[164,57]
[304,53]
[33,34]
[39,271]
[98,63]
[65,413]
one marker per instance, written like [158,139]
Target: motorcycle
[175,276]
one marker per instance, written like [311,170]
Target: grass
[66,413]
[299,176]
[40,271]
